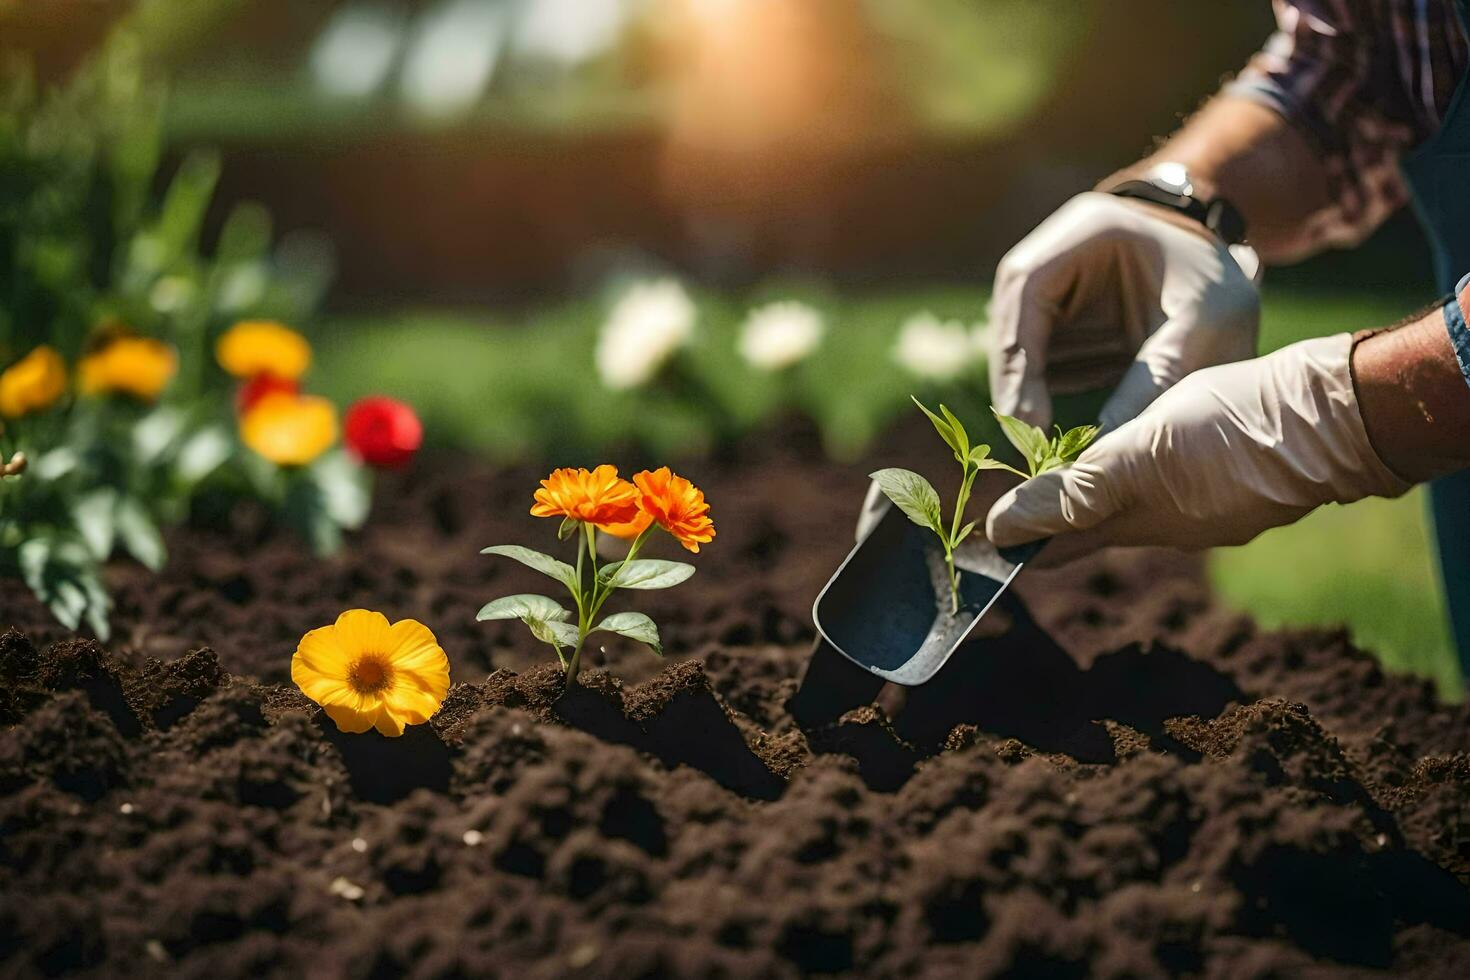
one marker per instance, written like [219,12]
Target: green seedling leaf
[913,495]
[139,534]
[545,564]
[645,573]
[525,607]
[557,633]
[965,532]
[963,449]
[953,438]
[1030,441]
[981,459]
[1070,444]
[635,626]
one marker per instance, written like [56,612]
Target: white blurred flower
[929,347]
[644,329]
[779,335]
[981,337]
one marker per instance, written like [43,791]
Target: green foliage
[88,253]
[1043,454]
[590,586]
[918,499]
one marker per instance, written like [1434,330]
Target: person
[1352,108]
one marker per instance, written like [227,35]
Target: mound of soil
[1126,782]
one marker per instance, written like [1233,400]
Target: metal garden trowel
[885,613]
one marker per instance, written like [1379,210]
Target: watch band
[1454,318]
[1218,215]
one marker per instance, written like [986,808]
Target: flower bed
[1128,781]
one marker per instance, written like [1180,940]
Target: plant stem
[953,540]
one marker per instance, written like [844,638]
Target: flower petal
[411,703]
[413,649]
[361,631]
[349,719]
[387,723]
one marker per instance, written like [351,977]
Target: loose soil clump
[1128,781]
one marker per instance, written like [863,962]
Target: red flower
[383,432]
[258,387]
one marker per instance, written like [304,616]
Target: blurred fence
[470,149]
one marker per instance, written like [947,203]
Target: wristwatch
[1168,185]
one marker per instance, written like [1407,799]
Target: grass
[514,386]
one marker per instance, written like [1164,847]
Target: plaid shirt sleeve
[1335,69]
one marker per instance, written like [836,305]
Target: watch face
[1172,177]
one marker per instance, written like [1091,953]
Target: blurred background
[466,188]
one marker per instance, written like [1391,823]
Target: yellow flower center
[370,674]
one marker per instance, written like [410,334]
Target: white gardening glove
[1224,455]
[1115,291]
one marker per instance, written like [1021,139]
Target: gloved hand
[1225,454]
[1109,290]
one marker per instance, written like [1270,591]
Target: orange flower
[677,505]
[598,498]
[631,529]
[255,347]
[290,430]
[138,366]
[33,383]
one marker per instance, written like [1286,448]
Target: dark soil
[1127,782]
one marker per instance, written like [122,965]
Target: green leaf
[55,464]
[201,454]
[954,440]
[913,495]
[305,510]
[965,532]
[524,607]
[156,432]
[569,527]
[62,572]
[963,449]
[545,564]
[140,534]
[346,489]
[635,626]
[1070,444]
[645,573]
[1030,441]
[557,633]
[95,516]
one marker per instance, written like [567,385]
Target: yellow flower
[368,674]
[255,347]
[290,430]
[136,366]
[33,383]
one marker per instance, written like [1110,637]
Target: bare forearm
[1414,400]
[1255,159]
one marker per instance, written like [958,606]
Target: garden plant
[140,372]
[917,498]
[588,502]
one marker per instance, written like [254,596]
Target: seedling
[918,499]
[599,500]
